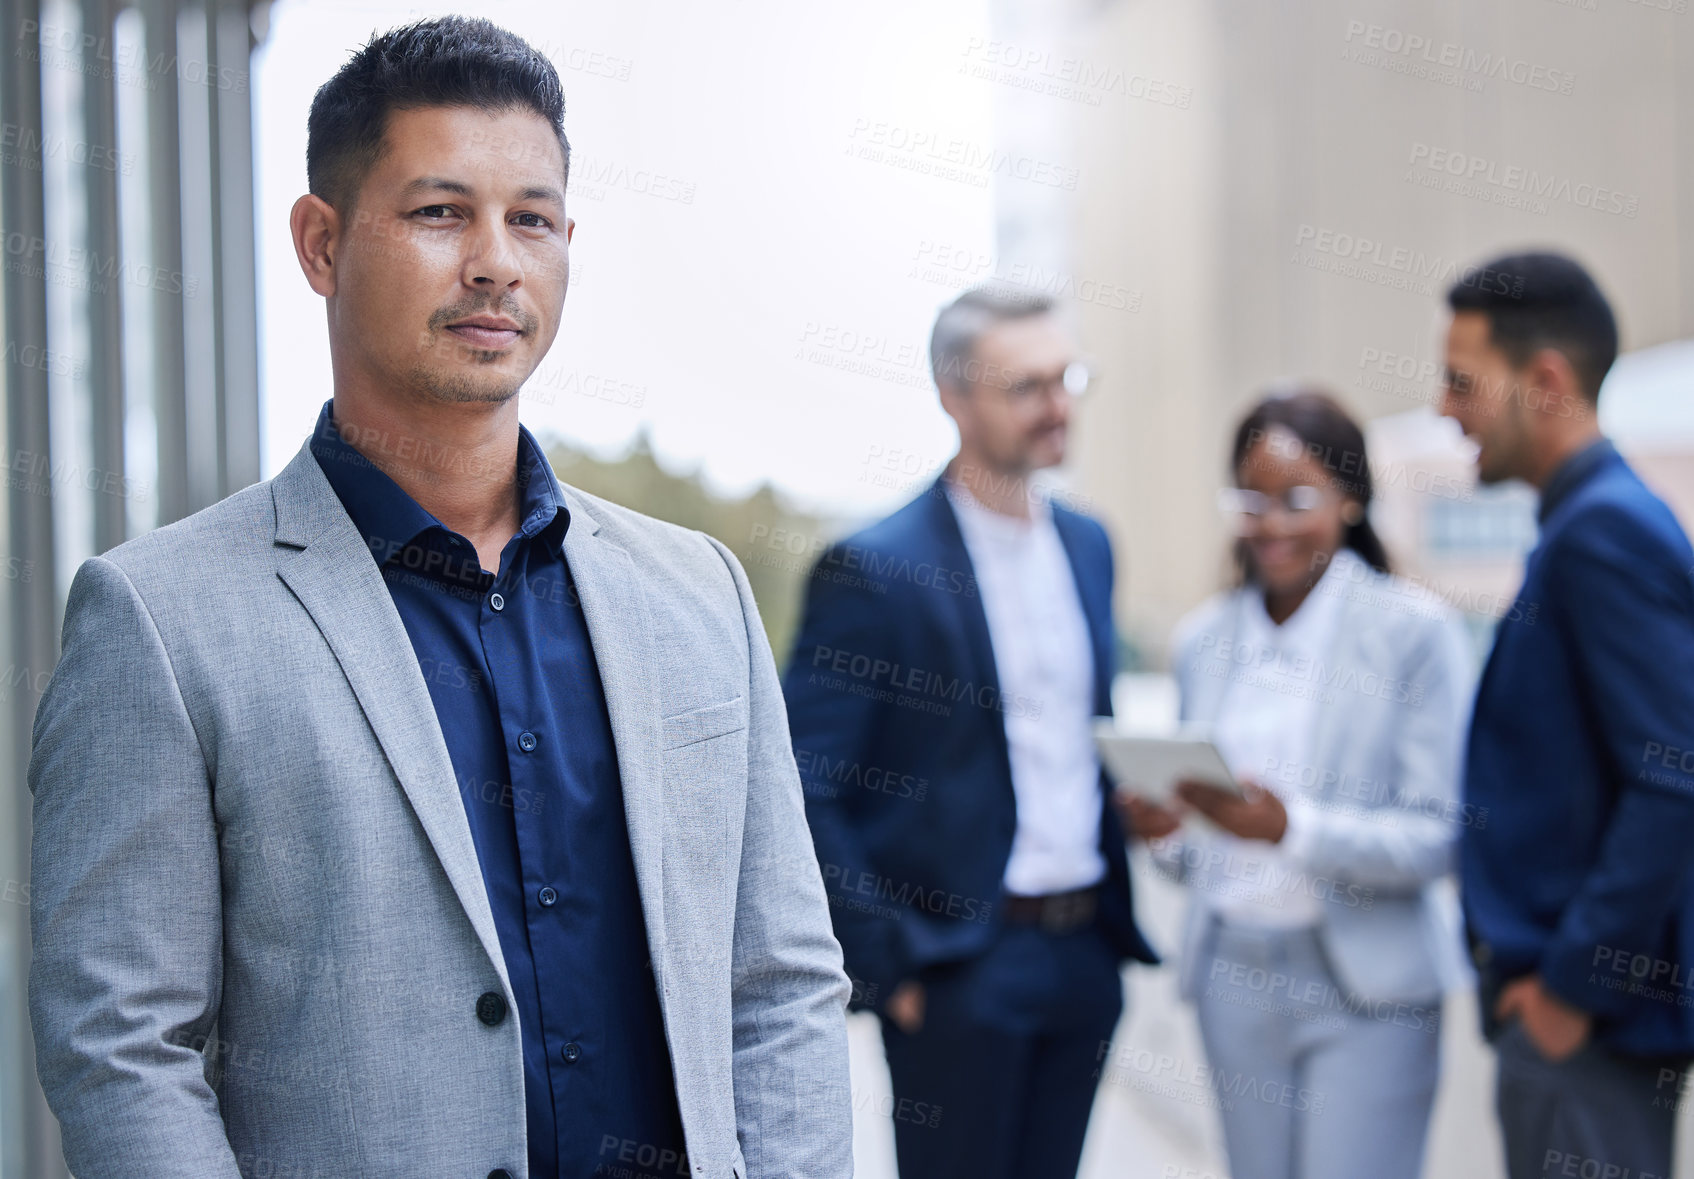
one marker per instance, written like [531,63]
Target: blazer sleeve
[1418,846]
[793,1102]
[1628,612]
[834,728]
[125,902]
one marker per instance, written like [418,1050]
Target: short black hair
[1544,300]
[441,61]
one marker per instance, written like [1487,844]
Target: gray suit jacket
[260,930]
[1384,781]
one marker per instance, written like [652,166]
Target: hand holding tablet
[1151,767]
[1161,779]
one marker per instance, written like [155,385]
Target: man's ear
[1557,388]
[952,397]
[316,227]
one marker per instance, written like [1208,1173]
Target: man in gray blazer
[411,814]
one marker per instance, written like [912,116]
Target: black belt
[1054,912]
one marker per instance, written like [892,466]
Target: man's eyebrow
[535,192]
[438,183]
[542,192]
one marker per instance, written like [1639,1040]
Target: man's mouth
[487,331]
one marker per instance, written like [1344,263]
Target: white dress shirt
[1044,659]
[1268,715]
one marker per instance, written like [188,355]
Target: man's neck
[1554,454]
[1002,491]
[457,460]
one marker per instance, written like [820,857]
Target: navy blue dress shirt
[511,672]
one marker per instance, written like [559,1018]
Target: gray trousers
[1313,1083]
[1593,1113]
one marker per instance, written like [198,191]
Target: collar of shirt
[982,521]
[1571,474]
[391,521]
[1307,631]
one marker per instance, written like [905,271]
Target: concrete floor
[1137,1133]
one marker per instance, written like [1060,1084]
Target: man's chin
[468,388]
[1489,474]
[1044,455]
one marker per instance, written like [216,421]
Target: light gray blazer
[259,925]
[1384,776]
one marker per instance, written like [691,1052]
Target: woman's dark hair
[1329,437]
[442,61]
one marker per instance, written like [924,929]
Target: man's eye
[536,221]
[434,211]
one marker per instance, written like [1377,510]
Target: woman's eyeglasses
[1247,509]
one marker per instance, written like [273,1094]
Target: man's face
[1016,411]
[451,267]
[1485,394]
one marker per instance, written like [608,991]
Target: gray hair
[952,344]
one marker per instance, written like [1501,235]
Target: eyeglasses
[1247,509]
[1025,389]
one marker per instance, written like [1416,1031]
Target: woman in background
[1322,935]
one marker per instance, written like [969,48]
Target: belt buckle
[1061,914]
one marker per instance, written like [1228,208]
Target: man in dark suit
[940,699]
[1578,895]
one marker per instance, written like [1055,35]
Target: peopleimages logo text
[1515,178]
[1453,56]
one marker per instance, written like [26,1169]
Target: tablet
[1152,766]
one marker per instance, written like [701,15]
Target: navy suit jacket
[1582,756]
[896,716]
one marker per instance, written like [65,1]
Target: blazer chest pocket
[702,724]
[706,778]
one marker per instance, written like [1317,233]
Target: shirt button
[548,896]
[491,1007]
[572,1052]
[496,603]
[526,742]
[499,1173]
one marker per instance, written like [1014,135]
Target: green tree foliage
[760,529]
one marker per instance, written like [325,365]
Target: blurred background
[772,202]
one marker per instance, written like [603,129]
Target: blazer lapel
[614,606]
[965,611]
[323,560]
[1356,646]
[1205,682]
[949,549]
[1096,610]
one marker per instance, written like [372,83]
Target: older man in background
[958,650]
